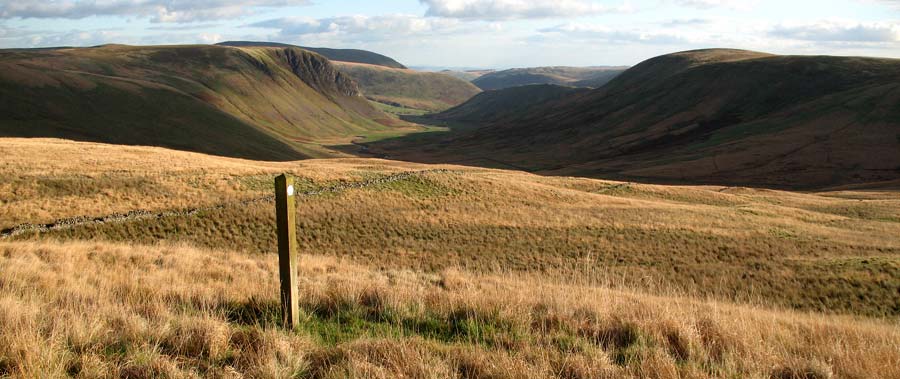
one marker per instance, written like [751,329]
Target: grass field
[398,110]
[447,272]
[172,311]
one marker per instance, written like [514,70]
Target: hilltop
[566,76]
[708,116]
[341,55]
[430,91]
[266,103]
[412,270]
[467,75]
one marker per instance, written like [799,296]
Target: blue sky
[471,33]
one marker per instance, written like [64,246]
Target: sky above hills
[471,33]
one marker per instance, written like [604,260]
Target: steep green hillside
[411,89]
[254,102]
[504,103]
[716,116]
[342,55]
[569,76]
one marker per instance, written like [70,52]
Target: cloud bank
[156,10]
[494,10]
[366,27]
[831,31]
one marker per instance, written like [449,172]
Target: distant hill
[252,102]
[468,75]
[342,55]
[497,105]
[429,91]
[568,76]
[706,116]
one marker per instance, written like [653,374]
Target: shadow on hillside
[434,146]
[259,147]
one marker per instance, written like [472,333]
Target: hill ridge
[342,55]
[719,116]
[250,102]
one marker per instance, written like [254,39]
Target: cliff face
[317,72]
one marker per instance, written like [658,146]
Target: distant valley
[591,77]
[709,116]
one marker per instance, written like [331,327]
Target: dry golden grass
[98,310]
[48,179]
[833,252]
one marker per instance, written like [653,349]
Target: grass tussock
[833,252]
[97,310]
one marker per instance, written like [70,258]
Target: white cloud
[741,5]
[365,27]
[156,10]
[838,31]
[890,3]
[518,9]
[611,35]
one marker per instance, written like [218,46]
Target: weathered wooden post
[285,215]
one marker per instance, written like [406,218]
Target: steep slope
[571,76]
[720,116]
[255,102]
[342,55]
[497,105]
[408,88]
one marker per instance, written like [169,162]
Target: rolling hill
[467,75]
[422,271]
[710,116]
[566,76]
[265,103]
[430,91]
[499,104]
[341,55]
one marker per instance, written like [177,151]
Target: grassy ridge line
[139,214]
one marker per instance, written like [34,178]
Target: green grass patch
[416,187]
[266,182]
[783,233]
[335,322]
[410,134]
[398,110]
[615,189]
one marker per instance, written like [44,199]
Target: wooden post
[285,215]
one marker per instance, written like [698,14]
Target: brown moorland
[102,310]
[834,251]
